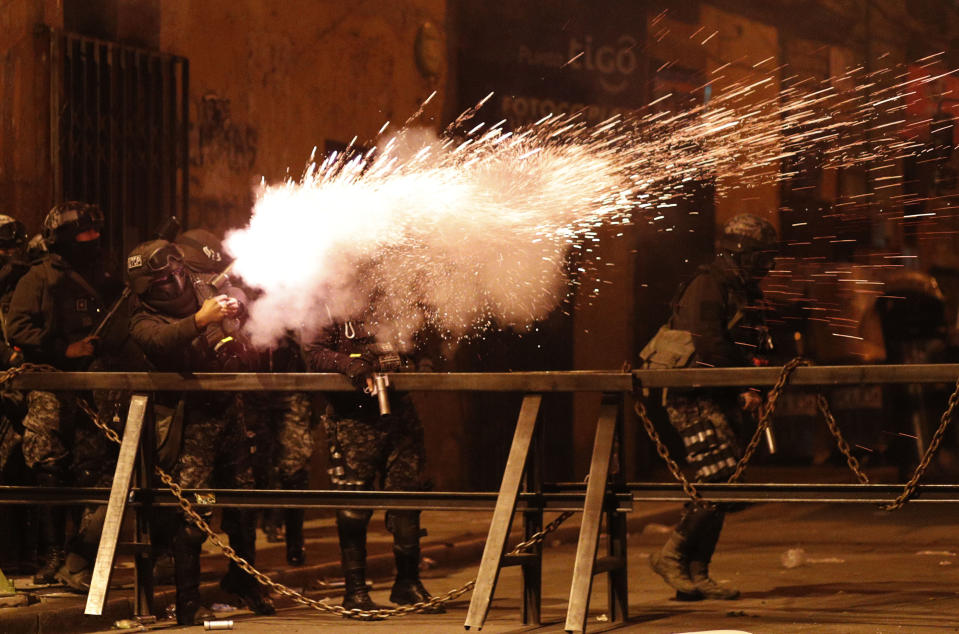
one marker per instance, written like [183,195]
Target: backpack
[668,349]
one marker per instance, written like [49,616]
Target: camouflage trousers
[59,438]
[280,425]
[712,445]
[385,452]
[216,449]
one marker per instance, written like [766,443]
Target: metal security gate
[118,133]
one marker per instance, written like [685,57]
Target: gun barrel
[381,385]
[113,311]
[770,439]
[217,280]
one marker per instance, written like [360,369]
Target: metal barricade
[522,489]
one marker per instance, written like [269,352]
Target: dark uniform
[369,450]
[721,307]
[57,304]
[13,266]
[279,423]
[213,441]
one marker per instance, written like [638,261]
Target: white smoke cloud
[426,231]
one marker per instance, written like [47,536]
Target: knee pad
[353,519]
[405,526]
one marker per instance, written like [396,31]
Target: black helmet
[156,273]
[747,232]
[750,244]
[13,235]
[203,251]
[68,220]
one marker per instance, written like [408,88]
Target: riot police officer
[181,329]
[721,307]
[280,422]
[54,309]
[368,449]
[13,265]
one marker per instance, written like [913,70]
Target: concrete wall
[271,80]
[24,109]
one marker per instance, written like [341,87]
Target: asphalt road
[801,568]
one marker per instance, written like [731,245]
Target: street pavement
[801,567]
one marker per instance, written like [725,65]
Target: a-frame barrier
[138,427]
[606,460]
[523,471]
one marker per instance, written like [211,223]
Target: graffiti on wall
[222,139]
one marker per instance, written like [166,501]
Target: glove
[359,369]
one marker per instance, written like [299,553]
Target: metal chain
[539,536]
[765,415]
[833,426]
[640,408]
[284,590]
[910,488]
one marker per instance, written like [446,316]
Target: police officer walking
[180,330]
[368,449]
[721,309]
[53,311]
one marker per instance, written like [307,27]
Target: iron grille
[119,124]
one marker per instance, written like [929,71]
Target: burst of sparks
[475,228]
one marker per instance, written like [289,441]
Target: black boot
[408,589]
[672,564]
[50,563]
[700,558]
[356,595]
[351,529]
[76,572]
[240,527]
[295,552]
[51,527]
[186,573]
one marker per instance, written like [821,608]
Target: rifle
[167,231]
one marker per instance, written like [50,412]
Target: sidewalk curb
[40,619]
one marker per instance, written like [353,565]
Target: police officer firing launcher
[180,331]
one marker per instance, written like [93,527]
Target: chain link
[833,426]
[910,489]
[765,415]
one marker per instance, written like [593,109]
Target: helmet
[202,251]
[68,220]
[747,232]
[13,234]
[155,272]
[750,243]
